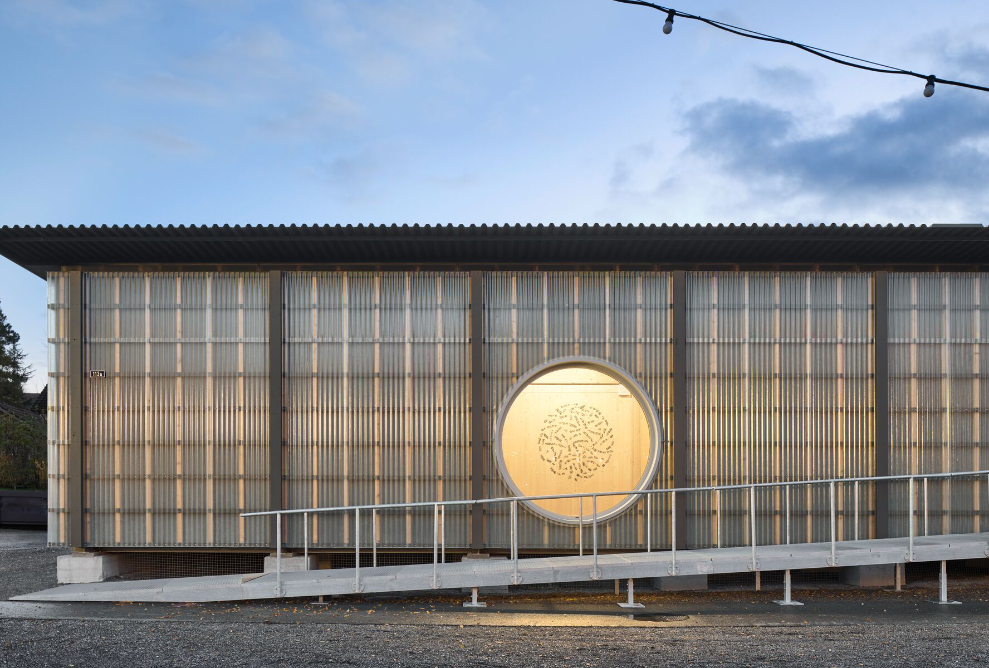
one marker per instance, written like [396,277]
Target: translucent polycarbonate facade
[176,424]
[377,403]
[376,400]
[621,317]
[780,387]
[58,408]
[939,396]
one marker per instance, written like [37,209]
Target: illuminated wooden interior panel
[575,430]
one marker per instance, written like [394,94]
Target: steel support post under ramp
[630,603]
[787,598]
[943,586]
[473,602]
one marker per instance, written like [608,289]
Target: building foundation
[290,563]
[881,575]
[680,583]
[88,567]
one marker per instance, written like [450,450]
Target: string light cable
[833,56]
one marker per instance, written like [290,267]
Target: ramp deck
[507,572]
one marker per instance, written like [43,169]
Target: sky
[467,111]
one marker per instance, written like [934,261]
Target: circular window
[577,425]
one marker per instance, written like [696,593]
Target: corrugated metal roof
[42,248]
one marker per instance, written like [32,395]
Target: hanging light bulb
[668,26]
[929,88]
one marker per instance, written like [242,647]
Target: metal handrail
[439,516]
[586,495]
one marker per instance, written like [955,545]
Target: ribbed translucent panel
[780,387]
[938,360]
[377,403]
[58,407]
[176,433]
[621,317]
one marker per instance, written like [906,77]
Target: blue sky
[470,111]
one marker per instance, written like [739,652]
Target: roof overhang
[41,249]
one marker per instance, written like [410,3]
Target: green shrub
[23,452]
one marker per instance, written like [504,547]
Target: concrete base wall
[290,562]
[680,583]
[869,576]
[87,567]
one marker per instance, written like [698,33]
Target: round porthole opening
[573,426]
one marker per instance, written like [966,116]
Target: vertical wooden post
[679,439]
[274,395]
[179,419]
[881,383]
[76,502]
[477,412]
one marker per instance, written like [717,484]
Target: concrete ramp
[501,572]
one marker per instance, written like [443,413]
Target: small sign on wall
[97,373]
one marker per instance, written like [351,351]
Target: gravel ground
[735,628]
[111,644]
[26,563]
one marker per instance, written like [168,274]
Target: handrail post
[374,538]
[436,529]
[595,573]
[443,534]
[833,560]
[755,564]
[511,531]
[648,522]
[278,554]
[580,526]
[910,520]
[515,543]
[856,510]
[673,532]
[357,550]
[925,508]
[305,538]
[717,502]
[788,488]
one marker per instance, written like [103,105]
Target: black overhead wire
[833,56]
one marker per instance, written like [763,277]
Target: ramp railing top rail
[439,516]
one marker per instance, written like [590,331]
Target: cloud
[623,166]
[260,72]
[168,86]
[168,142]
[385,41]
[784,80]
[621,174]
[258,64]
[352,176]
[965,59]
[262,54]
[913,146]
[69,13]
[322,110]
[435,27]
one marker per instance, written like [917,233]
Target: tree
[22,453]
[13,373]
